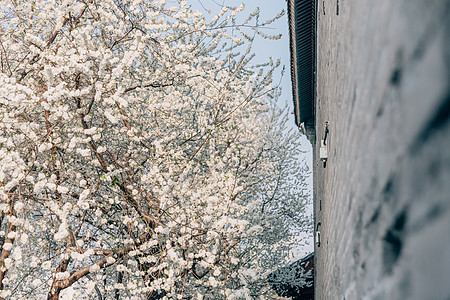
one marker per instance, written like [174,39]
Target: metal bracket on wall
[325,135]
[318,234]
[323,151]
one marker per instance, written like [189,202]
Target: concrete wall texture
[383,199]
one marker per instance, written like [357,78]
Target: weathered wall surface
[383,200]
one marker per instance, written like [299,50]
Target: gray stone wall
[383,200]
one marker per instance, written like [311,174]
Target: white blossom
[62,275]
[18,206]
[12,235]
[110,260]
[94,268]
[24,238]
[46,265]
[101,149]
[51,186]
[62,232]
[36,282]
[62,189]
[8,262]
[7,246]
[5,293]
[4,207]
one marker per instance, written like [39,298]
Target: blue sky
[262,48]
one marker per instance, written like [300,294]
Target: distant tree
[141,155]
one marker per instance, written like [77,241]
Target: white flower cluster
[139,151]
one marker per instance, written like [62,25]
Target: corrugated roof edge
[293,57]
[305,16]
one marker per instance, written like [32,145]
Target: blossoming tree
[140,154]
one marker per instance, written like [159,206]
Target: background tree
[141,154]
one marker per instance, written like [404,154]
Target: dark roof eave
[301,20]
